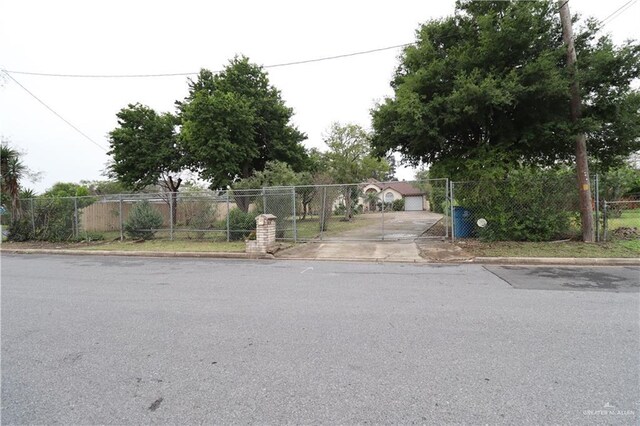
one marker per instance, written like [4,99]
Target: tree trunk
[173,187]
[347,200]
[582,166]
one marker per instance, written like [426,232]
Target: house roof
[404,188]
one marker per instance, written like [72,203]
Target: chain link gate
[372,211]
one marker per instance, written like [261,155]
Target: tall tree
[350,160]
[490,82]
[145,150]
[234,122]
[575,108]
[66,189]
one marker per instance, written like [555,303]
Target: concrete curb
[359,260]
[569,261]
[576,261]
[209,255]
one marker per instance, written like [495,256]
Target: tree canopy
[490,84]
[66,189]
[145,150]
[234,122]
[349,158]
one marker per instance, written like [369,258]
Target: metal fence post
[171,216]
[120,217]
[383,203]
[446,206]
[605,224]
[295,225]
[451,202]
[75,217]
[33,218]
[264,201]
[228,210]
[323,211]
[597,194]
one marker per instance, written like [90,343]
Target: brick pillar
[265,235]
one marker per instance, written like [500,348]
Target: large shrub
[200,214]
[50,218]
[143,221]
[20,230]
[398,205]
[241,224]
[529,206]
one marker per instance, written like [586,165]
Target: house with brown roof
[414,197]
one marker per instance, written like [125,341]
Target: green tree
[105,187]
[490,82]
[275,173]
[234,122]
[145,150]
[350,160]
[66,189]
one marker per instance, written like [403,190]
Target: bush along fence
[527,207]
[539,207]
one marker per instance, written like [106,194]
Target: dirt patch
[626,233]
[442,251]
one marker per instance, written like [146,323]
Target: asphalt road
[89,340]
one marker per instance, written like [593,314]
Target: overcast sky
[150,37]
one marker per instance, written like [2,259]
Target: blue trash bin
[462,223]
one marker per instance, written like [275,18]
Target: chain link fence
[368,211]
[520,209]
[622,219]
[539,208]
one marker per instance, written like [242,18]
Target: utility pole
[582,166]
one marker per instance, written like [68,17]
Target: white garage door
[413,204]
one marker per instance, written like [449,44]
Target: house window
[388,197]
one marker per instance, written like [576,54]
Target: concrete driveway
[391,240]
[390,226]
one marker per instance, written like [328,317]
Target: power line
[54,112]
[346,55]
[618,12]
[184,74]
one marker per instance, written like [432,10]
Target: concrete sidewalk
[396,251]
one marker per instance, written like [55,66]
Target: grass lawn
[620,248]
[628,219]
[152,245]
[170,246]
